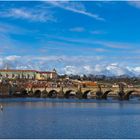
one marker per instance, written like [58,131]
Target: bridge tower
[79,92]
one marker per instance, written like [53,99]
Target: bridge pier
[44,93]
[61,93]
[121,92]
[30,92]
[99,93]
[79,92]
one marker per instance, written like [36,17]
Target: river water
[69,118]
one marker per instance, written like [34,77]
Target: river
[69,118]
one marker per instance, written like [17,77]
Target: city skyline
[75,37]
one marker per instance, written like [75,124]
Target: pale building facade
[27,74]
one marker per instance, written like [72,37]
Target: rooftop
[15,70]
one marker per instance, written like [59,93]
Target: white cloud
[115,45]
[100,50]
[134,3]
[13,58]
[104,43]
[66,65]
[88,69]
[97,32]
[71,70]
[116,70]
[12,29]
[99,69]
[76,7]
[135,70]
[77,29]
[35,14]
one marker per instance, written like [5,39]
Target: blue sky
[77,37]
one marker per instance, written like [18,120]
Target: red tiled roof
[46,72]
[14,70]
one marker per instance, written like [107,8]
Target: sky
[75,37]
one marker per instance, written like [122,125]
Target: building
[27,74]
[42,75]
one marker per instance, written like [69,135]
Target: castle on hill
[27,74]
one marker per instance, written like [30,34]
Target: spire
[6,66]
[54,70]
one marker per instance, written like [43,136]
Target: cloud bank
[66,65]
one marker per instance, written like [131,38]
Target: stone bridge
[97,92]
[88,92]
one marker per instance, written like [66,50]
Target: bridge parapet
[84,92]
[93,89]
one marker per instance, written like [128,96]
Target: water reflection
[58,118]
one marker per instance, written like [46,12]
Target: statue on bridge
[121,92]
[99,93]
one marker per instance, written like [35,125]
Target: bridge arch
[52,94]
[128,94]
[85,94]
[23,92]
[104,96]
[70,94]
[37,93]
